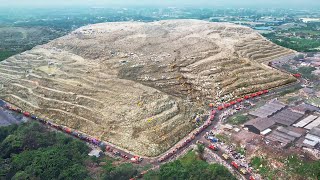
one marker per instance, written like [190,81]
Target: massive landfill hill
[140,85]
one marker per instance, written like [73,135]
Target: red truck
[212,147]
[234,164]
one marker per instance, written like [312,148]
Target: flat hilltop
[140,85]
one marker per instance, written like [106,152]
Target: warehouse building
[259,125]
[285,135]
[286,117]
[304,122]
[268,109]
[312,138]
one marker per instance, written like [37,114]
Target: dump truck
[234,164]
[296,75]
[26,114]
[212,147]
[225,156]
[243,171]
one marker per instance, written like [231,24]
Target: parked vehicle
[243,171]
[225,156]
[234,164]
[212,147]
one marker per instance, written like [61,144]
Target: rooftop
[261,123]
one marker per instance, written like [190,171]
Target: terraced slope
[139,85]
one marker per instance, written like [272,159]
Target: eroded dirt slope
[139,85]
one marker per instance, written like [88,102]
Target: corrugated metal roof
[288,132]
[305,121]
[267,109]
[313,138]
[261,123]
[287,117]
[310,143]
[313,124]
[315,131]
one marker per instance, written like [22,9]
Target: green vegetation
[5,54]
[302,39]
[306,72]
[190,167]
[290,90]
[303,168]
[29,151]
[224,138]
[241,150]
[261,164]
[293,167]
[238,119]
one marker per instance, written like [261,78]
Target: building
[313,124]
[285,135]
[259,125]
[305,121]
[286,117]
[312,138]
[268,109]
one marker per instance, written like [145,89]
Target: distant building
[268,109]
[286,117]
[258,125]
[285,135]
[312,138]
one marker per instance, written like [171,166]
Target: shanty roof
[315,131]
[289,132]
[286,117]
[304,107]
[312,138]
[313,124]
[268,109]
[305,121]
[260,123]
[310,143]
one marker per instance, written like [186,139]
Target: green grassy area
[290,90]
[238,119]
[294,168]
[302,168]
[224,138]
[241,150]
[261,165]
[190,167]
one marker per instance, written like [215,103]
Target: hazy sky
[203,3]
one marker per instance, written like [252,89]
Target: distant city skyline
[194,3]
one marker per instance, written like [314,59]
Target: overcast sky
[124,3]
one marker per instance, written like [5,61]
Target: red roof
[239,100]
[246,97]
[265,91]
[226,105]
[233,102]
